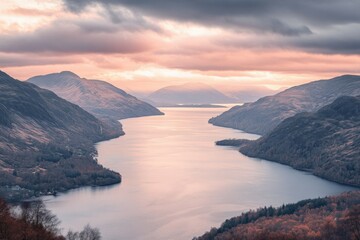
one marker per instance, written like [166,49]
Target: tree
[72,235]
[27,225]
[88,233]
[4,220]
[351,223]
[37,215]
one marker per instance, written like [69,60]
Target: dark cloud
[93,26]
[122,26]
[290,17]
[131,22]
[74,37]
[314,26]
[342,42]
[277,26]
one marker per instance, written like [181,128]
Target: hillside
[326,142]
[329,218]
[97,97]
[265,114]
[47,143]
[189,93]
[250,94]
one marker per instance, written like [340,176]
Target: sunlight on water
[177,184]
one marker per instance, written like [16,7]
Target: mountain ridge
[95,96]
[265,114]
[326,142]
[188,93]
[47,143]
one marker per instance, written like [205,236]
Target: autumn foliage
[330,218]
[33,222]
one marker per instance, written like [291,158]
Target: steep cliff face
[326,142]
[97,97]
[46,143]
[265,114]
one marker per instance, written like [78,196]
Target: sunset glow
[136,47]
[179,119]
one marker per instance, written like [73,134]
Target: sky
[143,45]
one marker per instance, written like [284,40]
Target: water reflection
[177,183]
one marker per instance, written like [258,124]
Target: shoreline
[226,143]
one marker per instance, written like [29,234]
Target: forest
[54,168]
[329,218]
[233,142]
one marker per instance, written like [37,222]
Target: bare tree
[72,235]
[88,233]
[36,214]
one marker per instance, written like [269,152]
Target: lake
[177,184]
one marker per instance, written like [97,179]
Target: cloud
[297,16]
[344,40]
[73,37]
[20,60]
[314,26]
[28,12]
[208,55]
[131,21]
[211,37]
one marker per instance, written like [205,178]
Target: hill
[249,94]
[264,115]
[47,143]
[326,142]
[336,218]
[189,93]
[97,97]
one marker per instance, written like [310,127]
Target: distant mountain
[265,114]
[326,142]
[251,94]
[47,143]
[97,97]
[189,93]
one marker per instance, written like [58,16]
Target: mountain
[334,217]
[189,93]
[47,143]
[97,97]
[249,94]
[262,116]
[326,142]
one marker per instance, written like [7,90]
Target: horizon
[144,47]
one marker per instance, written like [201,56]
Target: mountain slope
[46,143]
[189,93]
[97,97]
[326,143]
[334,217]
[249,94]
[265,114]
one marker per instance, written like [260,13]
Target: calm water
[177,183]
